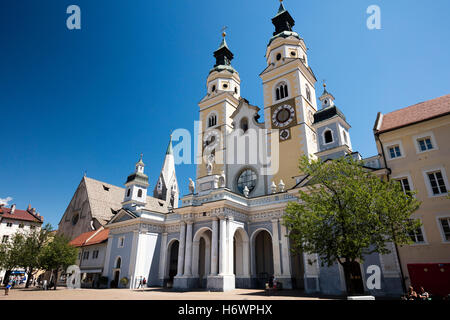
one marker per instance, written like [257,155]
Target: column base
[286,281]
[185,283]
[243,282]
[312,284]
[221,283]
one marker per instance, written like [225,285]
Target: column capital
[164,234]
[189,222]
[275,220]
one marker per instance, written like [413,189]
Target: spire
[326,98]
[283,21]
[223,54]
[169,147]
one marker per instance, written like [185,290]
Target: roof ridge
[419,103]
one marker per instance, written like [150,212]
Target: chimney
[13,208]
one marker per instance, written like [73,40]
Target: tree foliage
[57,255]
[346,212]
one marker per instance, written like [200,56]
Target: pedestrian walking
[7,288]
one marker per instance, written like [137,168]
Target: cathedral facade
[227,232]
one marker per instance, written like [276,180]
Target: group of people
[413,295]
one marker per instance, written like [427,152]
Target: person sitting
[411,295]
[423,294]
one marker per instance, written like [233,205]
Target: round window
[225,85]
[279,57]
[247,178]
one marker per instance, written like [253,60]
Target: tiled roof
[22,215]
[91,238]
[101,201]
[416,113]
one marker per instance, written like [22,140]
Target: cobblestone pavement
[149,294]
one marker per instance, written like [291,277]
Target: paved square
[149,294]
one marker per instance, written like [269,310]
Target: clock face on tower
[283,116]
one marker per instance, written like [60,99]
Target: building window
[86,255]
[281,91]
[417,236]
[95,254]
[213,89]
[437,183]
[5,239]
[244,124]
[246,178]
[79,255]
[212,120]
[394,152]
[32,227]
[118,262]
[345,137]
[278,56]
[328,136]
[140,193]
[404,182]
[308,93]
[21,226]
[75,218]
[425,144]
[121,242]
[128,192]
[9,224]
[445,225]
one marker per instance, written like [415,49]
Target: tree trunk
[55,281]
[30,273]
[348,281]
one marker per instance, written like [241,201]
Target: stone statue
[273,187]
[191,186]
[210,164]
[246,191]
[281,186]
[222,181]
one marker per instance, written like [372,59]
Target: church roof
[105,198]
[327,113]
[413,114]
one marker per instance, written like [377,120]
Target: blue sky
[93,99]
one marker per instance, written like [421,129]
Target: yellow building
[414,144]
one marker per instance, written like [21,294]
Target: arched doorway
[201,256]
[172,262]
[263,257]
[241,259]
[116,273]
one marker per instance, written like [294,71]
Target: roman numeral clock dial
[282,118]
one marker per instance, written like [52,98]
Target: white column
[108,256]
[246,258]
[207,258]
[276,248]
[223,247]
[181,249]
[214,247]
[230,240]
[162,256]
[188,254]
[285,251]
[195,257]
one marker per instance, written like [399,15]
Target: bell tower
[221,100]
[289,96]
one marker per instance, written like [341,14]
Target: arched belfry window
[128,192]
[244,124]
[308,93]
[328,136]
[140,193]
[212,120]
[118,262]
[281,91]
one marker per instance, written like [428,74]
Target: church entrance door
[263,257]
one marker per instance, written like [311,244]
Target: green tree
[10,254]
[29,258]
[346,212]
[57,255]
